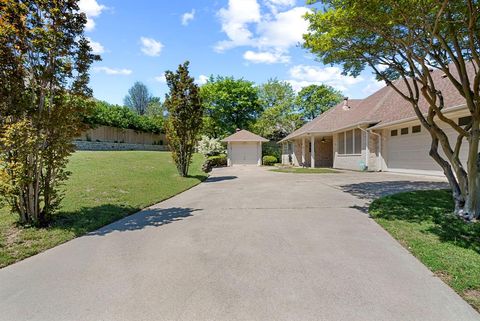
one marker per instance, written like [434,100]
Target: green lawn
[103,187]
[422,222]
[304,170]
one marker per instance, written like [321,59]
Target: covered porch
[310,150]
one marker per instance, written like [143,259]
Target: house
[378,133]
[244,148]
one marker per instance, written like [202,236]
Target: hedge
[105,114]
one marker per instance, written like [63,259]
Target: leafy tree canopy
[316,99]
[279,117]
[229,104]
[403,42]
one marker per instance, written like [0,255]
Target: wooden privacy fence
[119,135]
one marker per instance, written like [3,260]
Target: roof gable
[244,136]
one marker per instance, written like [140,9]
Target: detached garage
[244,148]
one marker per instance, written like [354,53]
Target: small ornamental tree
[44,62]
[184,120]
[210,146]
[404,42]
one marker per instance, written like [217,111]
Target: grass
[422,222]
[305,170]
[103,187]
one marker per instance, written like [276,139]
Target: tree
[44,63]
[402,49]
[185,113]
[316,99]
[229,104]
[279,116]
[155,108]
[138,98]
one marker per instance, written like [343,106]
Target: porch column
[303,151]
[312,154]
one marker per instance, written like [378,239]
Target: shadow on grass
[374,190]
[434,209]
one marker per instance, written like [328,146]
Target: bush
[210,146]
[218,161]
[269,160]
[273,149]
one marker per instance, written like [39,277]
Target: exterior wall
[120,135]
[354,162]
[323,153]
[106,146]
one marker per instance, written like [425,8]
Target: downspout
[367,132]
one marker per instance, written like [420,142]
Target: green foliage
[44,63]
[269,160]
[272,148]
[210,146]
[279,117]
[138,98]
[106,114]
[229,104]
[316,99]
[218,160]
[423,222]
[185,112]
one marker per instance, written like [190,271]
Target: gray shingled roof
[244,136]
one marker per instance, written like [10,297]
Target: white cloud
[187,17]
[271,34]
[286,29]
[161,79]
[235,20]
[304,75]
[92,9]
[150,46]
[373,86]
[97,47]
[202,79]
[113,71]
[265,57]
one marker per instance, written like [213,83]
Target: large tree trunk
[472,206]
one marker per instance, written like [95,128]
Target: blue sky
[251,39]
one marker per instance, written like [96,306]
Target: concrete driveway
[248,244]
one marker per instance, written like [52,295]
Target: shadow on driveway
[149,217]
[373,190]
[219,179]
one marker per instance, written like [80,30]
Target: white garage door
[244,153]
[411,151]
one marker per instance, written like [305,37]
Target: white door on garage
[244,153]
[408,150]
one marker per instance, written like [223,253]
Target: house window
[416,129]
[358,141]
[464,121]
[394,132]
[341,143]
[350,142]
[404,131]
